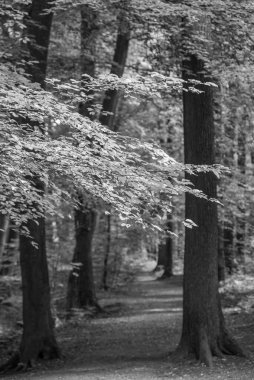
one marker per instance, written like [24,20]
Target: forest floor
[135,338]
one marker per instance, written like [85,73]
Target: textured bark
[38,340]
[81,290]
[119,61]
[203,333]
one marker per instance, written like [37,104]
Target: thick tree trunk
[204,333]
[38,340]
[81,289]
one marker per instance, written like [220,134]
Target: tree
[165,252]
[110,101]
[81,290]
[204,333]
[109,107]
[38,339]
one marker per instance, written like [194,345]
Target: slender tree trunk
[4,228]
[241,159]
[38,339]
[204,333]
[221,257]
[106,256]
[119,61]
[165,257]
[228,239]
[81,290]
[10,251]
[110,104]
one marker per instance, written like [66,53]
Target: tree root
[205,351]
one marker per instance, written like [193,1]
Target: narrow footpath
[134,341]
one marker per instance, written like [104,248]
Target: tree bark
[204,333]
[81,290]
[38,339]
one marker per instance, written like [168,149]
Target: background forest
[126,147]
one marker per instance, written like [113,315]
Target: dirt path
[135,341]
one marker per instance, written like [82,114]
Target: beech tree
[165,251]
[38,339]
[204,332]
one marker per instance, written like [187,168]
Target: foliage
[123,172]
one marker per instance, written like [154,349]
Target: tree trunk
[4,228]
[38,30]
[10,251]
[38,340]
[110,104]
[221,257]
[228,239]
[165,255]
[81,290]
[203,333]
[241,159]
[119,61]
[106,256]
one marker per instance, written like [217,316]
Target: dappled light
[126,189]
